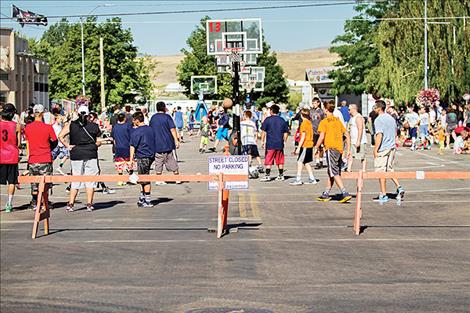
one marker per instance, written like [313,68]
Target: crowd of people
[326,135]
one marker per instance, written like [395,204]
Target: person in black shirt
[83,145]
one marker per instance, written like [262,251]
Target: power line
[204,10]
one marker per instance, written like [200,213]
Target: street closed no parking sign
[231,164]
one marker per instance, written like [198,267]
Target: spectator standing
[451,122]
[412,118]
[424,128]
[274,133]
[142,151]
[305,150]
[384,150]
[121,135]
[332,132]
[249,137]
[83,145]
[371,120]
[10,138]
[179,122]
[345,111]
[317,115]
[166,140]
[40,140]
[60,152]
[357,131]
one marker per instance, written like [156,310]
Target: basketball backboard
[253,78]
[204,84]
[241,35]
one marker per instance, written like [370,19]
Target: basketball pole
[236,103]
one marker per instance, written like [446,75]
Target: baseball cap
[83,109]
[38,108]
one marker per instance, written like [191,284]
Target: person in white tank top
[357,131]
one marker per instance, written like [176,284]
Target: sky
[289,29]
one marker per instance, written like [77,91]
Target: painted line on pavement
[242,204]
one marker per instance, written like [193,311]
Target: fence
[43,212]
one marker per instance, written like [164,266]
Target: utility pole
[236,104]
[425,44]
[83,59]
[103,104]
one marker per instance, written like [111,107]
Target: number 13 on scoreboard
[211,27]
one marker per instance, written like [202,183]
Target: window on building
[3,76]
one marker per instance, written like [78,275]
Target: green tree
[125,75]
[400,73]
[356,48]
[197,62]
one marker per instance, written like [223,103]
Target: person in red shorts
[40,141]
[274,133]
[10,137]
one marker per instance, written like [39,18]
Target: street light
[83,44]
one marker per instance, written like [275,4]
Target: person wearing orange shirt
[331,131]
[304,150]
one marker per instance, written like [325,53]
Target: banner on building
[27,17]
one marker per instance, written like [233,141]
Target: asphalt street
[286,252]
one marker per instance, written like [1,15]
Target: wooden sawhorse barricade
[43,212]
[362,175]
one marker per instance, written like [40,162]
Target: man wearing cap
[83,146]
[40,141]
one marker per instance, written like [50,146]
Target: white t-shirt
[424,119]
[354,131]
[337,113]
[412,118]
[432,117]
[248,132]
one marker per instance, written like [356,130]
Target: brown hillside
[294,64]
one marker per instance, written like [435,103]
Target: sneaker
[202,151]
[146,204]
[345,197]
[400,192]
[319,166]
[160,183]
[67,189]
[141,201]
[69,207]
[312,181]
[280,178]
[108,191]
[383,199]
[59,170]
[265,179]
[296,183]
[8,208]
[260,169]
[89,207]
[325,197]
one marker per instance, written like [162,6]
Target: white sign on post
[230,164]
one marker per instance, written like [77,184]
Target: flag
[28,17]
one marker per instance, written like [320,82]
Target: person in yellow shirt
[305,150]
[332,132]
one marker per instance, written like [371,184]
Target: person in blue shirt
[344,108]
[121,134]
[142,151]
[223,127]
[274,133]
[166,140]
[179,122]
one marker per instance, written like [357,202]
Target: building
[321,85]
[23,78]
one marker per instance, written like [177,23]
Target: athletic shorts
[81,168]
[251,150]
[305,155]
[316,137]
[39,169]
[274,156]
[334,162]
[424,130]
[8,174]
[168,159]
[60,152]
[361,155]
[204,140]
[144,166]
[384,161]
[121,164]
[222,133]
[414,132]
